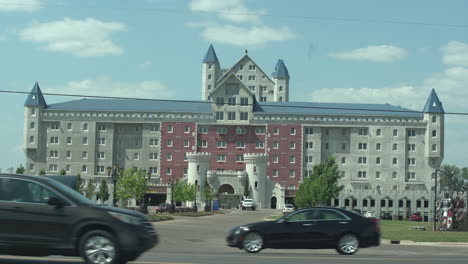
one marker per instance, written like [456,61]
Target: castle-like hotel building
[245,127]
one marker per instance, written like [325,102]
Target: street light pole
[112,173]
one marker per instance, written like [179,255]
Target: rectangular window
[153,156]
[187,129]
[275,172]
[221,158]
[276,131]
[252,88]
[154,128]
[55,126]
[292,159]
[186,143]
[395,132]
[231,115]
[275,144]
[202,143]
[69,154]
[221,144]
[153,142]
[169,157]
[219,101]
[259,144]
[101,141]
[101,155]
[362,132]
[309,145]
[251,77]
[244,101]
[101,127]
[169,143]
[240,144]
[292,173]
[168,171]
[244,116]
[219,115]
[308,159]
[203,129]
[260,130]
[240,158]
[308,131]
[293,131]
[232,101]
[100,169]
[69,140]
[136,156]
[292,145]
[252,68]
[222,130]
[275,159]
[170,129]
[85,155]
[411,133]
[53,154]
[240,130]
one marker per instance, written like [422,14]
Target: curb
[409,242]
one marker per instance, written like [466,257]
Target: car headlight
[126,218]
[240,229]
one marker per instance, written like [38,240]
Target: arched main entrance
[273,202]
[226,189]
[227,197]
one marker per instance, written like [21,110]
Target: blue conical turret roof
[433,105]
[210,56]
[35,97]
[280,70]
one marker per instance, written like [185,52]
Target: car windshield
[248,200]
[289,206]
[75,195]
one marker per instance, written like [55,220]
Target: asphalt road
[201,240]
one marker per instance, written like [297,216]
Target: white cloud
[19,6]
[230,10]
[84,38]
[146,64]
[455,53]
[381,53]
[246,36]
[104,86]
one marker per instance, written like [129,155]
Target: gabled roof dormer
[35,97]
[433,105]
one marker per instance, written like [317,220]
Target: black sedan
[315,227]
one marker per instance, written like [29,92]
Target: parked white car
[369,214]
[248,204]
[288,208]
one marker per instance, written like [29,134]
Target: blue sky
[336,51]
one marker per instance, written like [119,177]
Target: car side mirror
[54,201]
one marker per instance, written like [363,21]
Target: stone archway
[273,202]
[226,189]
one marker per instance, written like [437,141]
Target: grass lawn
[401,230]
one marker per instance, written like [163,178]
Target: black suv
[40,216]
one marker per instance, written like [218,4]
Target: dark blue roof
[433,105]
[210,55]
[35,97]
[134,105]
[308,108]
[280,70]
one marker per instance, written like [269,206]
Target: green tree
[103,193]
[190,192]
[131,184]
[90,189]
[42,172]
[63,172]
[321,187]
[207,193]
[246,187]
[20,169]
[80,184]
[451,179]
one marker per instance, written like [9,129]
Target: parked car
[315,227]
[40,216]
[369,214]
[288,208]
[248,204]
[163,207]
[415,217]
[385,216]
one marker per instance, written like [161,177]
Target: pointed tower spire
[433,105]
[35,97]
[210,55]
[280,70]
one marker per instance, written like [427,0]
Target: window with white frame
[252,88]
[362,160]
[434,147]
[395,132]
[252,67]
[55,126]
[136,156]
[275,172]
[377,174]
[85,127]
[251,77]
[275,158]
[187,129]
[53,167]
[169,157]
[240,130]
[231,116]
[244,116]
[170,129]
[275,144]
[378,132]
[85,141]
[101,127]
[411,133]
[308,130]
[100,169]
[434,133]
[69,154]
[54,140]
[394,175]
[186,143]
[101,141]
[412,161]
[69,126]
[434,119]
[202,143]
[84,169]
[343,160]
[411,147]
[292,173]
[33,111]
[203,129]
[259,130]
[219,101]
[308,159]
[32,125]
[395,147]
[169,143]
[362,174]
[53,154]
[221,144]
[153,142]
[292,159]
[395,161]
[219,115]
[276,131]
[68,168]
[411,175]
[362,146]
[240,158]
[293,131]
[222,130]
[101,155]
[259,144]
[154,128]
[169,171]
[309,145]
[240,144]
[153,170]
[377,161]
[153,156]
[292,145]
[232,101]
[69,140]
[84,155]
[244,101]
[362,131]
[221,158]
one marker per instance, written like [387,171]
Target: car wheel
[99,247]
[253,242]
[348,244]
